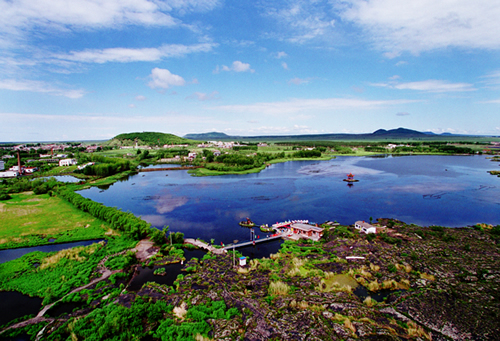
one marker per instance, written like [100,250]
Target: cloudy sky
[91,69]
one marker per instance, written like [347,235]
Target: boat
[266,228]
[247,223]
[350,178]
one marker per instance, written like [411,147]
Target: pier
[253,242]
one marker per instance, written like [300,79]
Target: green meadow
[29,220]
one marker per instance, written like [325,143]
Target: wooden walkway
[250,242]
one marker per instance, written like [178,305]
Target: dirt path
[204,245]
[145,249]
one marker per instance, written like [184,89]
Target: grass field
[29,220]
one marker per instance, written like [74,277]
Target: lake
[450,191]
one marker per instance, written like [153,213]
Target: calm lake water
[426,190]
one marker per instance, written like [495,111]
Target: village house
[364,227]
[307,231]
[30,170]
[2,165]
[67,162]
[9,174]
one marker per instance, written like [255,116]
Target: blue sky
[91,69]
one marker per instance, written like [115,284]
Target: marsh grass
[390,284]
[427,276]
[303,305]
[336,282]
[348,324]
[417,331]
[369,302]
[278,288]
[75,254]
[374,286]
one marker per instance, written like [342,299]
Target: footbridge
[253,242]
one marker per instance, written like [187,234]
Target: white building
[67,162]
[365,227]
[9,174]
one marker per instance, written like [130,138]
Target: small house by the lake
[365,227]
[307,230]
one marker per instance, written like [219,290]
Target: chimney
[19,163]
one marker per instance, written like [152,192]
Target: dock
[253,242]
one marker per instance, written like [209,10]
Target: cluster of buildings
[220,144]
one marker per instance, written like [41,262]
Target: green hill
[148,138]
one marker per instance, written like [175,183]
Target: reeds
[427,276]
[374,285]
[416,330]
[390,284]
[348,324]
[369,302]
[71,254]
[278,288]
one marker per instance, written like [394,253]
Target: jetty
[253,242]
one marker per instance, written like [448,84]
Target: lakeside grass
[30,220]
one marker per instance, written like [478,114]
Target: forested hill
[148,138]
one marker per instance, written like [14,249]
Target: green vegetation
[52,275]
[30,220]
[121,221]
[149,139]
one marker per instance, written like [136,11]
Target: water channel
[450,191]
[10,254]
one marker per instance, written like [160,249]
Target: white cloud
[200,96]
[281,54]
[301,105]
[298,81]
[19,18]
[284,65]
[39,86]
[131,106]
[162,78]
[403,114]
[126,55]
[140,98]
[237,66]
[431,85]
[301,22]
[416,26]
[493,101]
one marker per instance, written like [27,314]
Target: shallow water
[14,305]
[10,254]
[426,190]
[146,274]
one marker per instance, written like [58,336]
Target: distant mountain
[148,138]
[207,136]
[399,133]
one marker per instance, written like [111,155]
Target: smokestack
[18,162]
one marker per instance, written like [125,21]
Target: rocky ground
[436,283]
